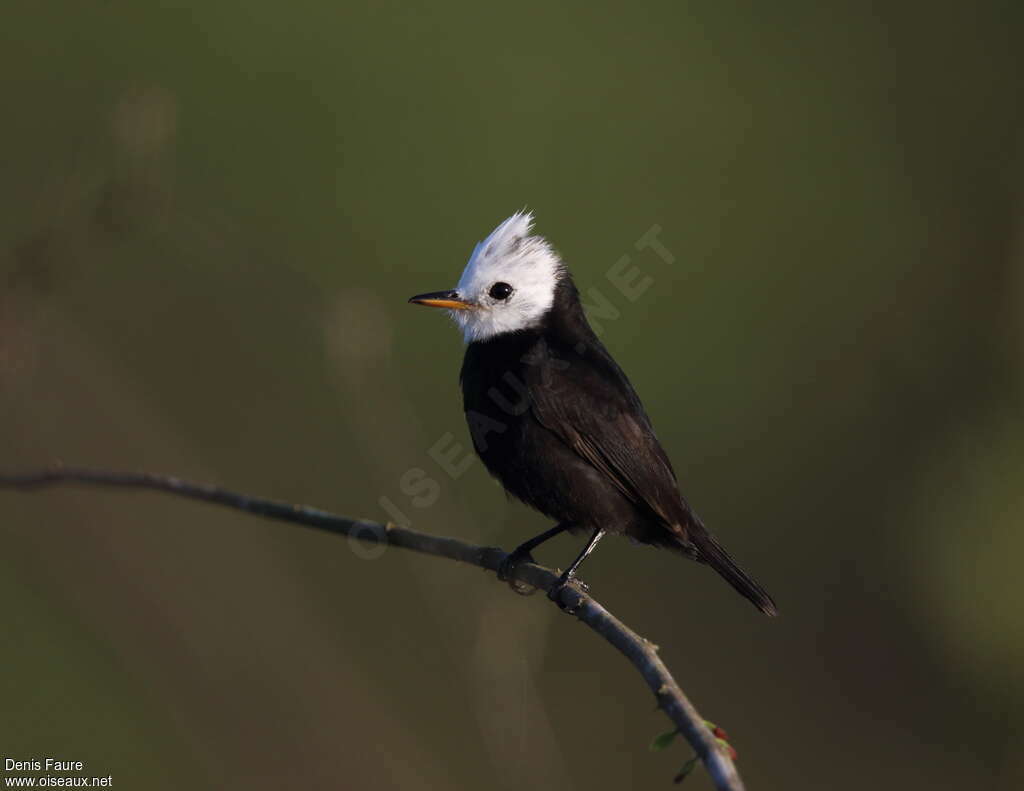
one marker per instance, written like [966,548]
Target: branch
[642,653]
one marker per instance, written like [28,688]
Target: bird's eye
[501,291]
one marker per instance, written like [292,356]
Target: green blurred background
[211,215]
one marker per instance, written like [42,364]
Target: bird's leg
[523,553]
[570,572]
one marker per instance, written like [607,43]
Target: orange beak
[442,299]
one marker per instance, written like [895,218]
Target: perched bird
[552,415]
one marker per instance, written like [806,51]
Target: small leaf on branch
[685,771]
[663,740]
[728,748]
[722,738]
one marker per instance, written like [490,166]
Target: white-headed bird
[555,419]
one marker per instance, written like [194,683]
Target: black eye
[501,291]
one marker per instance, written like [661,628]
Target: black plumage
[555,419]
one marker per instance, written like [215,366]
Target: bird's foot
[507,567]
[566,583]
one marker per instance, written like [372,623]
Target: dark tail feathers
[711,552]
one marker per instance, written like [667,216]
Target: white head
[508,284]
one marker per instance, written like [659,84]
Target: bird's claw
[507,567]
[556,591]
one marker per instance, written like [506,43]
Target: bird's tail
[711,552]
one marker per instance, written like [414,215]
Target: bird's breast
[497,399]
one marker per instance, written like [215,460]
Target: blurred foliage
[210,218]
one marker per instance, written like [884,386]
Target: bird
[554,418]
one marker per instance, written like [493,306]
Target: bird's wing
[590,405]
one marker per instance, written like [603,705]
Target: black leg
[528,546]
[570,572]
[523,552]
[555,594]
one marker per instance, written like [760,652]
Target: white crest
[512,256]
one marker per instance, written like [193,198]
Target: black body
[555,419]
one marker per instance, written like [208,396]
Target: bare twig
[639,651]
